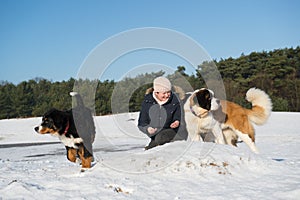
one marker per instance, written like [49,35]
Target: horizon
[116,81]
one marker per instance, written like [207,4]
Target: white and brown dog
[227,121]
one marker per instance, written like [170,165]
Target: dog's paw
[84,169]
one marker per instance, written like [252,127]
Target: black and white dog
[75,128]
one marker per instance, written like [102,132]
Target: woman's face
[163,96]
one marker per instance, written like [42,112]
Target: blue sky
[52,38]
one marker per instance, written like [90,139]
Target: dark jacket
[159,116]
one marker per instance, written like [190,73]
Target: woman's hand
[175,124]
[151,130]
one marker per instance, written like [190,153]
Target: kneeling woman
[160,114]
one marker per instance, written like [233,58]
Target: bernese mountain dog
[75,128]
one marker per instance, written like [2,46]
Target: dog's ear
[59,119]
[203,99]
[193,99]
[50,112]
[196,97]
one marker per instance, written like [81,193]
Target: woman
[160,115]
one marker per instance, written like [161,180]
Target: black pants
[164,136]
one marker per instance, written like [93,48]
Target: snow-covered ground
[123,170]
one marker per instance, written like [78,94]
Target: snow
[178,170]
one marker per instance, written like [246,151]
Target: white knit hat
[161,84]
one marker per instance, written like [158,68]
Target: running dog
[75,128]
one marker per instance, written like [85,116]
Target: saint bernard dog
[227,121]
[75,128]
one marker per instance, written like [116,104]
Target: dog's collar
[191,109]
[67,128]
[200,115]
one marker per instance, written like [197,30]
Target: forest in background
[276,72]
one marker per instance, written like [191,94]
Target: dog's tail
[261,106]
[84,122]
[78,99]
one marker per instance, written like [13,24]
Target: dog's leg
[230,137]
[194,136]
[217,131]
[71,154]
[192,127]
[87,162]
[85,156]
[197,137]
[245,138]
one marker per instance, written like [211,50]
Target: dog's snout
[36,129]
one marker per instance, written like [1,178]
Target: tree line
[277,72]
